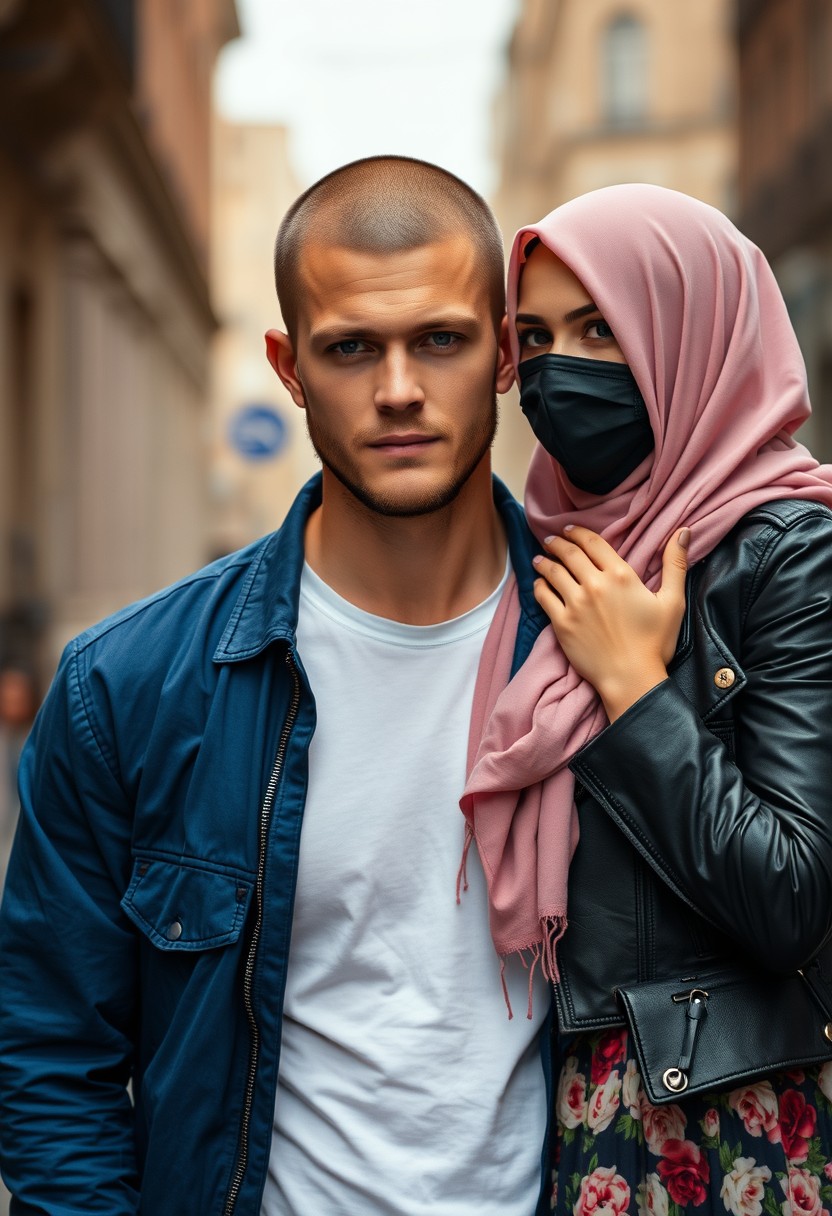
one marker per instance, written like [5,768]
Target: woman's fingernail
[537,560]
[684,538]
[547,540]
[568,527]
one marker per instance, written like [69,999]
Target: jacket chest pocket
[182,906]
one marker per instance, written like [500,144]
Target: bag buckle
[677,1079]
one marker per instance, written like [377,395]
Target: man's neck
[418,570]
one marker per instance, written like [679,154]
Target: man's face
[396,363]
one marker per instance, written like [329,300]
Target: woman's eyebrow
[529,318]
[580,312]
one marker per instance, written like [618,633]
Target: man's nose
[398,386]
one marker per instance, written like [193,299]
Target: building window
[624,72]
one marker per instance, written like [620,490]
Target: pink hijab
[700,318]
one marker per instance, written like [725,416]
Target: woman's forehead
[547,282]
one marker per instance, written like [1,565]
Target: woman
[652,794]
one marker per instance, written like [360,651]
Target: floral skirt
[762,1148]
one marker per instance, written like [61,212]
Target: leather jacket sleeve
[68,973]
[746,842]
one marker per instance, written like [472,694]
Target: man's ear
[505,365]
[281,354]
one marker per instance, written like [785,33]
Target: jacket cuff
[632,728]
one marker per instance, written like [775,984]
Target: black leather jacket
[706,809]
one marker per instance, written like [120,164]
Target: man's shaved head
[386,204]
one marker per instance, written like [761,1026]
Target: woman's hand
[615,632]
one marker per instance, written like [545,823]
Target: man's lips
[407,440]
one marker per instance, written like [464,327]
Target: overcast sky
[356,77]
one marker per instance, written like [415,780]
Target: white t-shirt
[404,1089]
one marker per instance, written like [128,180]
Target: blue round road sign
[258,432]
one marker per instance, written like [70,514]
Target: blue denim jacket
[145,928]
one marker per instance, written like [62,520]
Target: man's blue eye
[443,339]
[351,346]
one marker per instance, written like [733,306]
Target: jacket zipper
[248,977]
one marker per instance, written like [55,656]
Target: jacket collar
[267,606]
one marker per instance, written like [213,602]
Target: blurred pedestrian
[17,710]
[240,836]
[686,774]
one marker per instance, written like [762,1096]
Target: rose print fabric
[758,1149]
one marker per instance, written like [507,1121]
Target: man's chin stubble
[394,508]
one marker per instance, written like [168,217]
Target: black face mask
[589,415]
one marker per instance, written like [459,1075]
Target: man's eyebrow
[350,331]
[529,318]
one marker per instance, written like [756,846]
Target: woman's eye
[601,330]
[534,338]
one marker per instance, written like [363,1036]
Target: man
[310,1022]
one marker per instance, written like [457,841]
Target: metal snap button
[827,1030]
[174,931]
[143,868]
[241,894]
[725,677]
[675,1080]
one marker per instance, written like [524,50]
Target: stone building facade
[105,314]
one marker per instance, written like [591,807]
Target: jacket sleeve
[746,843]
[68,972]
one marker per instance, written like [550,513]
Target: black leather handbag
[721,1028]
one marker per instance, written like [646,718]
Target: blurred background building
[611,91]
[785,173]
[106,321]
